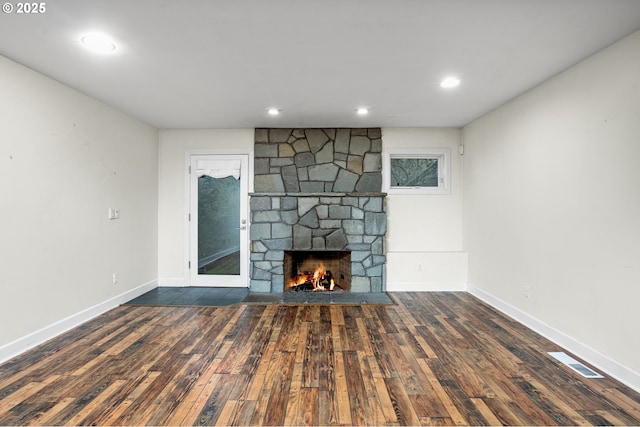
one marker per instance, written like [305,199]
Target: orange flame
[319,273]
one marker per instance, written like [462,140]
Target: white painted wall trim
[425,287]
[597,359]
[36,338]
[173,282]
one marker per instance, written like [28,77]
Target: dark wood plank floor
[432,359]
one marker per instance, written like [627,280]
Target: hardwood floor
[432,359]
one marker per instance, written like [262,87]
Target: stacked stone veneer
[318,189]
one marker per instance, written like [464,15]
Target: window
[416,170]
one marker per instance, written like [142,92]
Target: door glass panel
[218,225]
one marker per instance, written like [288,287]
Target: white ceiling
[221,63]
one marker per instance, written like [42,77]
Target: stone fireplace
[317,196]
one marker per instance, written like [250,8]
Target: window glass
[414,172]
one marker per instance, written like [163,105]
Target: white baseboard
[27,342]
[173,282]
[601,362]
[425,287]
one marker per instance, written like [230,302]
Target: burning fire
[319,280]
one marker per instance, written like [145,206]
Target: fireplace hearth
[317,201]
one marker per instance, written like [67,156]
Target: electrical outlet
[419,267]
[527,291]
[114,213]
[115,278]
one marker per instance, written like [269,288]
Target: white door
[218,239]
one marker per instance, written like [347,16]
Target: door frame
[188,279]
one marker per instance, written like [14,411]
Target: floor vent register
[574,364]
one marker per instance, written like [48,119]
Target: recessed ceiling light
[450,82]
[362,111]
[273,111]
[98,43]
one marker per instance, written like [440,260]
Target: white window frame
[443,155]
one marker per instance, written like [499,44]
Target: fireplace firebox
[317,271]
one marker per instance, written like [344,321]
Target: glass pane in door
[218,226]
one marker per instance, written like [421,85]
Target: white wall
[171,204]
[424,238]
[552,204]
[424,231]
[64,160]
